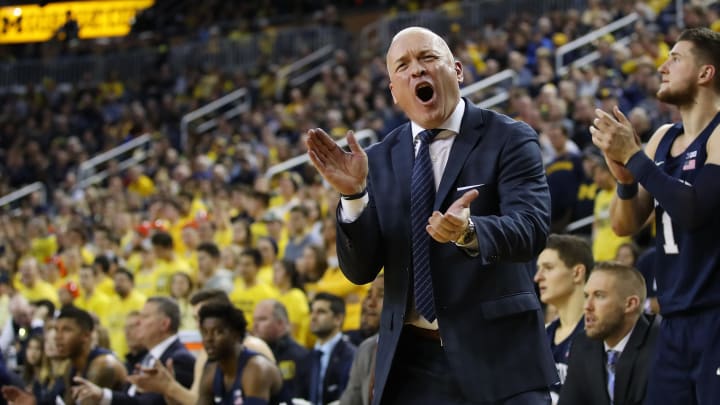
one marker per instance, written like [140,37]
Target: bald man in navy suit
[471,332]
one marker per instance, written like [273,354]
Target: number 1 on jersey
[670,247]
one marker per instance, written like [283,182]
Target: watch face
[466,237]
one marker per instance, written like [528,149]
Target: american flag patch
[689,165]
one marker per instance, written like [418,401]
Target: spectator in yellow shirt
[145,276]
[334,282]
[43,244]
[104,270]
[75,237]
[31,286]
[291,294]
[167,262]
[605,242]
[268,249]
[253,291]
[138,183]
[181,287]
[127,300]
[91,300]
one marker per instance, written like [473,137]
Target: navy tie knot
[428,135]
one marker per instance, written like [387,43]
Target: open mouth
[425,92]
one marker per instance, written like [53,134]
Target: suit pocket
[510,305]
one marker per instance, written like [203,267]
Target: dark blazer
[489,316]
[289,356]
[586,381]
[337,373]
[183,364]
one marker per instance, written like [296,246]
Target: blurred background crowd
[210,204]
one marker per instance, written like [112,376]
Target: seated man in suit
[327,368]
[159,377]
[610,364]
[234,374]
[158,324]
[272,325]
[362,372]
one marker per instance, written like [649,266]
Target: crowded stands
[198,216]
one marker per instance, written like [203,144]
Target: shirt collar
[452,123]
[328,346]
[157,351]
[620,347]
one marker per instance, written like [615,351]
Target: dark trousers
[421,374]
[686,367]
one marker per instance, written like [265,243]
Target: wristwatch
[468,236]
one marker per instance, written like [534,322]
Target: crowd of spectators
[197,214]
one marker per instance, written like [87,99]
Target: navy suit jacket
[489,316]
[586,381]
[337,373]
[183,364]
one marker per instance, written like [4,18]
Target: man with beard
[678,172]
[327,368]
[609,363]
[234,374]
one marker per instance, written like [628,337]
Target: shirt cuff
[350,210]
[107,397]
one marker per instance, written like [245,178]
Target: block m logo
[8,24]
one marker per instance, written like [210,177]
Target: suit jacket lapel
[169,350]
[627,361]
[597,371]
[465,142]
[403,157]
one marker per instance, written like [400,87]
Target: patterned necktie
[612,358]
[422,196]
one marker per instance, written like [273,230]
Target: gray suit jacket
[357,391]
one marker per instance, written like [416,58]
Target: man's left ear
[579,273]
[459,71]
[632,302]
[708,72]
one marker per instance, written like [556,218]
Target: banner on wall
[81,19]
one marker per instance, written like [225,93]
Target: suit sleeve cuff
[350,210]
[107,397]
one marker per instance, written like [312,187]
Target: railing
[362,135]
[241,96]
[560,67]
[479,13]
[227,54]
[377,35]
[23,192]
[322,58]
[87,174]
[500,97]
[470,14]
